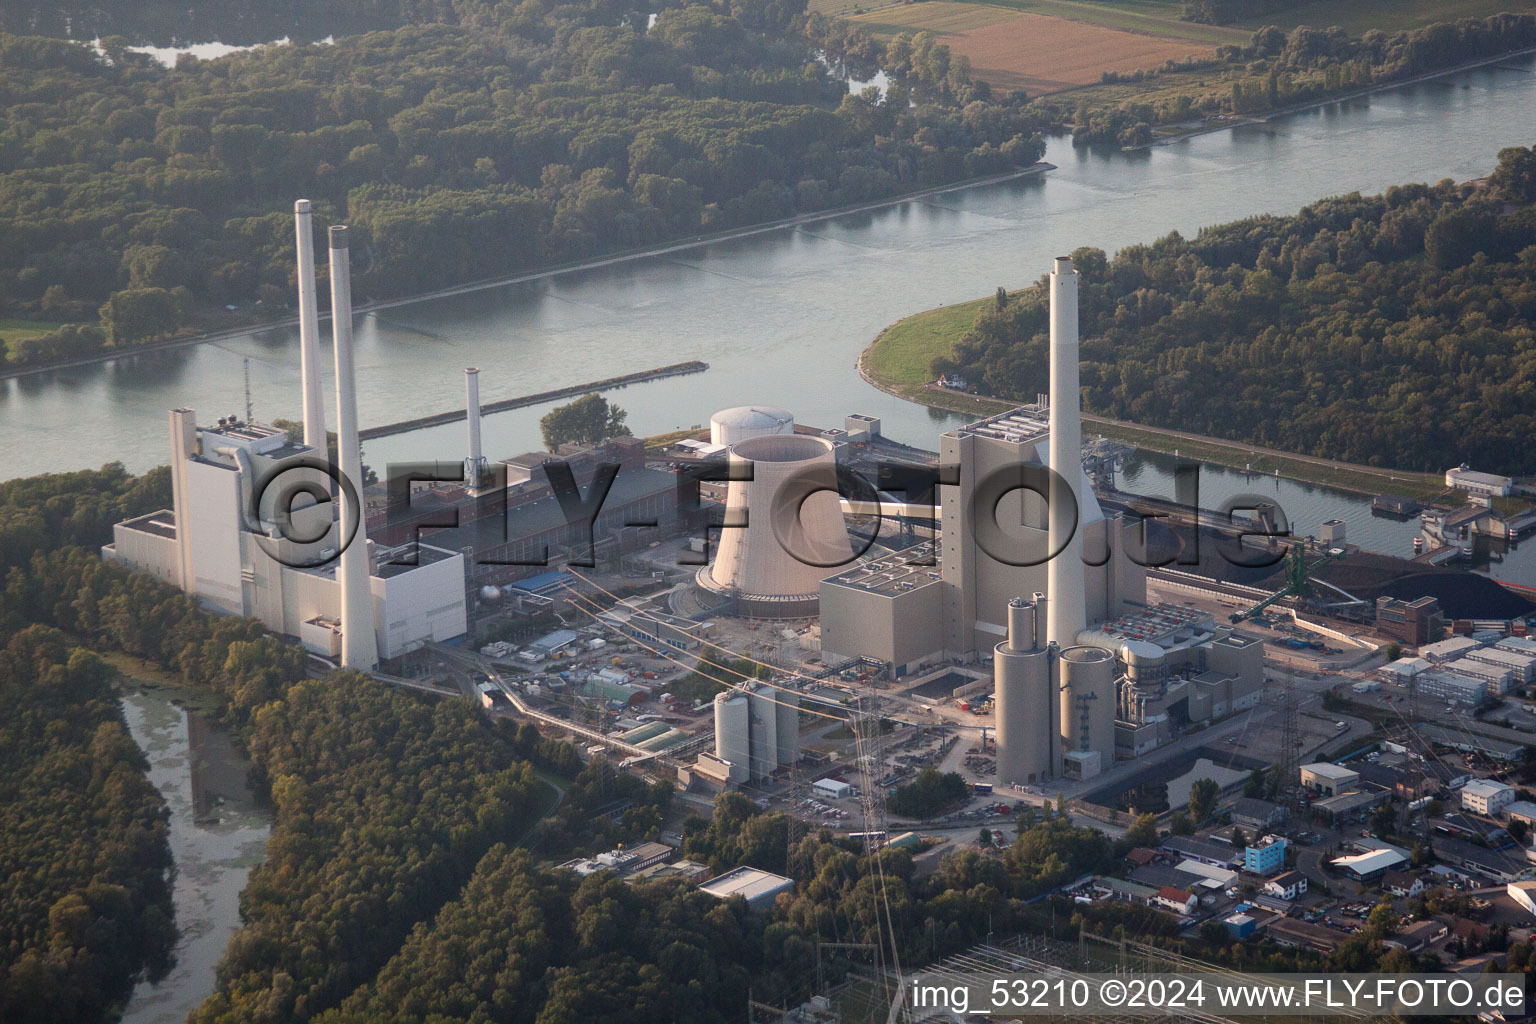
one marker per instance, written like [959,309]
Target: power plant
[253,532]
[1084,670]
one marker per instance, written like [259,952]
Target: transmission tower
[1286,764]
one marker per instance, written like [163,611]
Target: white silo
[787,728]
[1027,731]
[731,426]
[733,734]
[765,730]
[1087,707]
[794,534]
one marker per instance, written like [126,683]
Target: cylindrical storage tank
[764,731]
[1146,665]
[1087,706]
[787,728]
[733,734]
[1026,724]
[730,426]
[794,534]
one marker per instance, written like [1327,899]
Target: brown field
[1034,52]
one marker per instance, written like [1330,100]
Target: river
[782,316]
[218,833]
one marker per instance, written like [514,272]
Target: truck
[981,787]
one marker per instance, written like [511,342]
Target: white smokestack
[313,412]
[474,465]
[359,648]
[1065,585]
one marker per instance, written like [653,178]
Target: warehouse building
[759,888]
[1329,779]
[1452,687]
[1486,797]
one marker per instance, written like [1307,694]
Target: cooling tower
[1087,706]
[794,534]
[765,730]
[787,728]
[732,426]
[1027,732]
[732,734]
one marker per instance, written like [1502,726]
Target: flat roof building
[759,888]
[1332,779]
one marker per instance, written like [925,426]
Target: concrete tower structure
[787,727]
[309,330]
[794,534]
[762,699]
[359,646]
[474,462]
[1066,581]
[1087,693]
[733,743]
[1027,730]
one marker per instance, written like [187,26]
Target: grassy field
[12,329]
[898,359]
[1011,48]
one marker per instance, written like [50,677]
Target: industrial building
[1410,622]
[1487,797]
[1495,677]
[246,548]
[759,888]
[1330,779]
[1451,687]
[1482,485]
[1085,670]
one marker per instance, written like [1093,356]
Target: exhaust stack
[309,331]
[1066,611]
[474,465]
[359,647]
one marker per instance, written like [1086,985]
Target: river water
[781,316]
[218,833]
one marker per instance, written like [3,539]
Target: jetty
[523,401]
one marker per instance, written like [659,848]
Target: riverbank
[699,242]
[1189,130]
[897,362]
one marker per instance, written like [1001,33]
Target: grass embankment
[898,361]
[13,329]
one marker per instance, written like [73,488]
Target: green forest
[1392,330]
[137,201]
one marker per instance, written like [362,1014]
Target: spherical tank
[730,426]
[733,733]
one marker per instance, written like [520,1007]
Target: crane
[1299,584]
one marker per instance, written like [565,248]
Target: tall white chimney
[359,647]
[474,465]
[1065,581]
[309,330]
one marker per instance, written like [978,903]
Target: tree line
[140,200]
[1276,69]
[1391,330]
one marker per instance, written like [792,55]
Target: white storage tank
[732,734]
[1088,702]
[728,426]
[787,728]
[1026,725]
[765,730]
